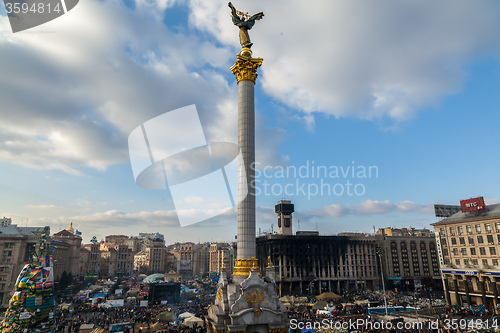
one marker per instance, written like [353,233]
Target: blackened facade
[315,264]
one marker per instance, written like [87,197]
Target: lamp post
[379,253]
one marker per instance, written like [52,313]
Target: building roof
[64,232]
[15,231]
[491,211]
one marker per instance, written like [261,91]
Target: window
[493,251]
[471,240]
[473,251]
[482,251]
[446,261]
[7,253]
[445,252]
[494,262]
[464,251]
[455,251]
[469,229]
[474,261]
[489,238]
[9,245]
[480,240]
[497,226]
[457,261]
[462,240]
[466,262]
[485,262]
[452,231]
[441,231]
[443,241]
[487,227]
[453,241]
[478,228]
[460,230]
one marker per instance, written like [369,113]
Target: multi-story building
[203,259]
[307,263]
[191,259]
[92,259]
[312,264]
[5,221]
[141,264]
[469,247]
[67,257]
[156,258]
[149,239]
[83,262]
[118,239]
[409,259]
[15,246]
[221,255]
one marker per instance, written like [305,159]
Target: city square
[159,176]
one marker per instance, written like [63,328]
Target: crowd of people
[145,318]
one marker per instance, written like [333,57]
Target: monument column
[245,70]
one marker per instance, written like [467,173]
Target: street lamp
[379,253]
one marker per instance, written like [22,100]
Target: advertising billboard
[472,205]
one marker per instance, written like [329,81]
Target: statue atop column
[245,23]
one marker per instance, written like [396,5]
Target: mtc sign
[472,205]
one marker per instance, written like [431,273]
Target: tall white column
[246,142]
[245,70]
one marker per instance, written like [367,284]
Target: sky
[403,93]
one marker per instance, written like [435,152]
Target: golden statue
[245,23]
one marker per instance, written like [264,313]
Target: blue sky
[406,87]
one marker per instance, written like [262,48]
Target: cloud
[382,59]
[336,210]
[101,224]
[44,207]
[367,207]
[74,88]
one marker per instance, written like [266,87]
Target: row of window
[473,252]
[468,262]
[468,228]
[480,240]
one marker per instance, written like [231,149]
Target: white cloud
[44,207]
[361,59]
[336,210]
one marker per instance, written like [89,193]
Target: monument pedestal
[249,306]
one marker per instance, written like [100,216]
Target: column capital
[245,68]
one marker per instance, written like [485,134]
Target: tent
[362,302]
[320,305]
[288,299]
[166,317]
[328,297]
[186,315]
[192,321]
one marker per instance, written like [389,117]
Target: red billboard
[472,205]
